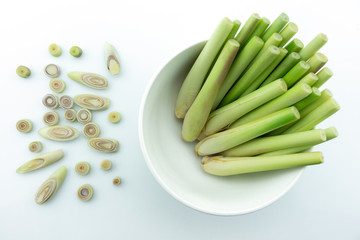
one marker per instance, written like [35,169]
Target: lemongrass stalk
[259,29]
[309,99]
[227,139]
[274,143]
[242,60]
[234,30]
[288,32]
[222,117]
[296,45]
[248,28]
[197,74]
[324,75]
[41,161]
[317,62]
[288,63]
[296,73]
[226,166]
[199,111]
[259,80]
[250,75]
[287,99]
[276,26]
[312,47]
[309,79]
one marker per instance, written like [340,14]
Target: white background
[324,204]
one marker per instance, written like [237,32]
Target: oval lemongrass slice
[91,130]
[312,47]
[85,192]
[51,118]
[84,116]
[35,147]
[57,85]
[50,101]
[59,133]
[92,80]
[52,70]
[66,102]
[324,75]
[48,189]
[70,115]
[41,161]
[112,59]
[106,165]
[24,125]
[226,166]
[104,144]
[82,168]
[92,102]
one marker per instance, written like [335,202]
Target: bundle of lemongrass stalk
[252,98]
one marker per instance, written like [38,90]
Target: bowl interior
[176,167]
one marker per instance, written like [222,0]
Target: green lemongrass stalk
[287,99]
[288,32]
[197,74]
[324,75]
[230,138]
[309,79]
[234,30]
[242,60]
[309,50]
[259,30]
[248,28]
[226,166]
[317,61]
[289,62]
[309,99]
[222,117]
[276,26]
[294,46]
[296,73]
[259,80]
[199,111]
[274,143]
[250,75]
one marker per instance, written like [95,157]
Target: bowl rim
[158,177]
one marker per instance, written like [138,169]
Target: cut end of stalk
[323,135]
[277,37]
[306,87]
[323,37]
[327,92]
[296,112]
[331,133]
[266,20]
[234,43]
[282,84]
[316,91]
[258,40]
[298,43]
[274,50]
[327,71]
[335,104]
[284,17]
[295,55]
[293,27]
[304,65]
[226,19]
[321,57]
[256,16]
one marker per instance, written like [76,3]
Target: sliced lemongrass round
[82,168]
[59,133]
[91,130]
[84,116]
[66,102]
[70,115]
[23,71]
[106,165]
[57,85]
[51,118]
[85,192]
[24,125]
[50,101]
[52,70]
[75,51]
[55,50]
[92,102]
[35,147]
[104,144]
[116,181]
[114,117]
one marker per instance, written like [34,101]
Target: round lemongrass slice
[106,165]
[116,180]
[114,117]
[50,101]
[66,102]
[57,85]
[70,115]
[24,125]
[104,144]
[82,168]
[52,70]
[35,147]
[91,130]
[85,192]
[84,115]
[51,118]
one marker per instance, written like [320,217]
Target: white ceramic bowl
[176,167]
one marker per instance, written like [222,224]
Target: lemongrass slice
[59,133]
[114,117]
[57,85]
[52,70]
[116,181]
[85,192]
[66,101]
[48,189]
[112,59]
[50,101]
[35,147]
[104,144]
[24,125]
[55,50]
[82,168]
[92,102]
[41,161]
[51,118]
[92,80]
[84,116]
[23,71]
[106,165]
[70,115]
[91,130]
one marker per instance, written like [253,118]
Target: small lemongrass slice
[85,192]
[92,80]
[84,116]
[23,71]
[51,118]
[35,147]
[75,51]
[50,101]
[59,133]
[41,161]
[82,168]
[114,117]
[91,130]
[52,70]
[24,125]
[55,50]
[66,102]
[116,180]
[70,115]
[57,85]
[112,59]
[106,165]
[104,144]
[92,102]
